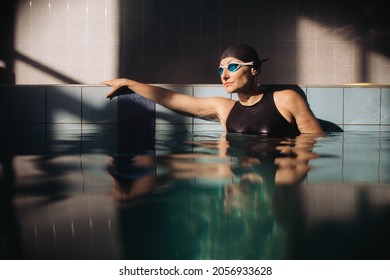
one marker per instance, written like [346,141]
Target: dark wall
[179,41]
[7,16]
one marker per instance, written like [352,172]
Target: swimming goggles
[233,66]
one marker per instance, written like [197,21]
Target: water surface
[113,194]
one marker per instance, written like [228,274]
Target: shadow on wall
[6,77]
[173,42]
[8,53]
[367,23]
[180,42]
[7,29]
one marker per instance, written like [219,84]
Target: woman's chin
[230,89]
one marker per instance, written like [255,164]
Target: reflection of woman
[10,237]
[285,160]
[258,111]
[224,202]
[257,203]
[276,160]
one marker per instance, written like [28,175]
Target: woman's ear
[253,71]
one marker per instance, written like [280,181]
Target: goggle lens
[232,67]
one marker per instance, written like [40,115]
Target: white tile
[96,8]
[39,54]
[326,103]
[58,53]
[95,73]
[58,8]
[343,74]
[114,8]
[77,73]
[96,52]
[343,53]
[307,74]
[307,48]
[113,28]
[40,8]
[385,106]
[96,30]
[58,29]
[77,30]
[324,74]
[362,106]
[77,53]
[40,29]
[77,8]
[211,91]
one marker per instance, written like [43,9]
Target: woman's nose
[224,74]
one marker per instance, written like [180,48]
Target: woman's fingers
[114,87]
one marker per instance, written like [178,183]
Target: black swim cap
[244,53]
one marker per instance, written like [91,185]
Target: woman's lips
[227,84]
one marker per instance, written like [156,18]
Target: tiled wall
[352,108]
[42,115]
[180,41]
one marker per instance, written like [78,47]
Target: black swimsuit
[261,118]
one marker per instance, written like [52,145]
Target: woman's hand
[118,87]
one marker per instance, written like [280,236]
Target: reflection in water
[217,199]
[196,196]
[10,241]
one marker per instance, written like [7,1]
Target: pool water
[112,193]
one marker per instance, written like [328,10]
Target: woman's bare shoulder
[288,98]
[287,94]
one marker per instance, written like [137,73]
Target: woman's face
[238,81]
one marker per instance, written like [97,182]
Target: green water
[113,195]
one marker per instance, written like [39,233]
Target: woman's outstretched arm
[212,106]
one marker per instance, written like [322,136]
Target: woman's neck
[250,97]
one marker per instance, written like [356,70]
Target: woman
[257,111]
